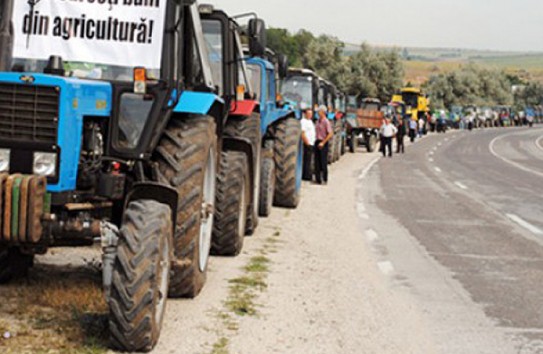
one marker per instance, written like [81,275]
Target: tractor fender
[197,102]
[157,192]
[243,108]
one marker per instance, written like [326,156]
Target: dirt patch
[56,309]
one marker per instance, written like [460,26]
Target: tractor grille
[29,113]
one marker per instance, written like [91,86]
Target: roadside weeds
[243,292]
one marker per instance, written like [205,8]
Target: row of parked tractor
[472,117]
[162,167]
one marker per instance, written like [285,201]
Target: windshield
[255,79]
[298,89]
[371,106]
[91,48]
[411,99]
[214,41]
[84,70]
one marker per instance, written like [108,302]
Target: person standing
[399,137]
[422,124]
[309,135]
[324,134]
[412,129]
[388,131]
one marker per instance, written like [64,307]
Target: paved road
[458,223]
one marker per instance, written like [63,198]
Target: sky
[506,25]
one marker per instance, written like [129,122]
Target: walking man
[308,137]
[412,129]
[388,131]
[324,134]
[399,137]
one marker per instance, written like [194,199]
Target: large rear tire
[288,169]
[187,160]
[13,264]
[231,205]
[248,127]
[140,277]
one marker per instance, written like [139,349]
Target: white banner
[113,32]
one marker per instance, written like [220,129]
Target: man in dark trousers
[324,134]
[388,130]
[308,137]
[399,137]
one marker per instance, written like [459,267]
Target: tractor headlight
[4,160]
[45,164]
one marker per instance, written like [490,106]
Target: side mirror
[282,64]
[257,37]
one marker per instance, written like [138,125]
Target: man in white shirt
[388,131]
[309,136]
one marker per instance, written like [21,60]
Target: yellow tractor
[417,104]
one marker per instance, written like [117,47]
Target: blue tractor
[122,155]
[261,152]
[281,165]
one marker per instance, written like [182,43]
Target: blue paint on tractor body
[78,98]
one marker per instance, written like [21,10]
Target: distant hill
[421,63]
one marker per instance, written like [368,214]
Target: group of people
[316,138]
[389,131]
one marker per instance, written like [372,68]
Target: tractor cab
[301,87]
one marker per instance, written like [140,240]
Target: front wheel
[353,143]
[288,163]
[141,274]
[371,143]
[267,187]
[233,199]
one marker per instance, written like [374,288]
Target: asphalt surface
[457,222]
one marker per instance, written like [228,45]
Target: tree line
[379,73]
[368,72]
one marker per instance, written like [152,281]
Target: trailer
[364,119]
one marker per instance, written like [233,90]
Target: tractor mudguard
[197,102]
[157,192]
[243,108]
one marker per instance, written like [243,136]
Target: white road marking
[512,163]
[461,185]
[539,143]
[437,169]
[533,229]
[372,235]
[431,152]
[430,160]
[386,267]
[368,168]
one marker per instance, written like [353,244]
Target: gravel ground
[325,292]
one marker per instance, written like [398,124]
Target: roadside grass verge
[243,292]
[54,311]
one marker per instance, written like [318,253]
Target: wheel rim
[208,202]
[163,282]
[242,209]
